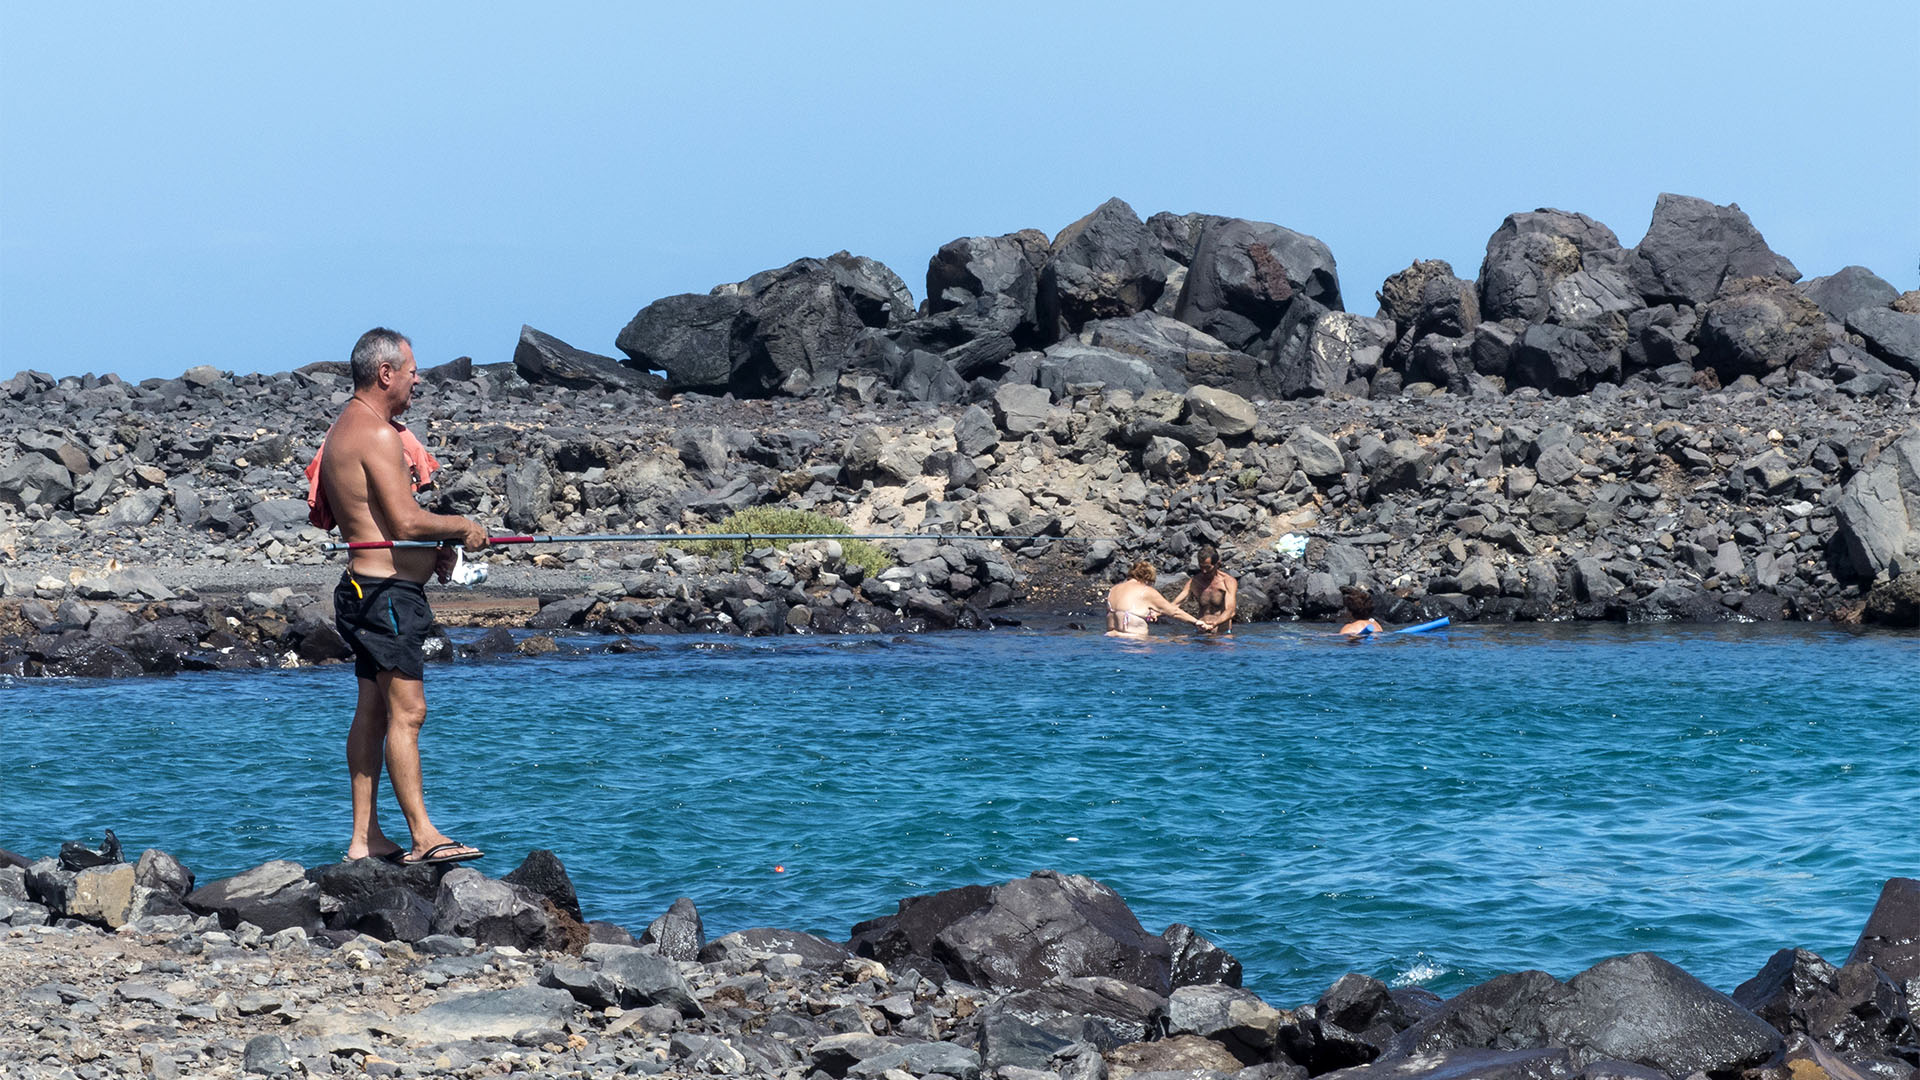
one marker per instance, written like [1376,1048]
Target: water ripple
[1429,811]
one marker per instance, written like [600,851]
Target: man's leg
[366,743]
[406,701]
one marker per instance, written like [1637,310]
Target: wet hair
[1209,554]
[1359,601]
[375,347]
[1144,572]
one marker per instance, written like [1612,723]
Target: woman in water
[1359,612]
[1134,603]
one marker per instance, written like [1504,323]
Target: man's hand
[476,537]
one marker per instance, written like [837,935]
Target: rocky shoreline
[114,968]
[1674,431]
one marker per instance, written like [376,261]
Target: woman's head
[1359,602]
[1144,572]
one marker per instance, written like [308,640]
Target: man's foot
[385,850]
[452,851]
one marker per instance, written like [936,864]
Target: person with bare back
[364,479]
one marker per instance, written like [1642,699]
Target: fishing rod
[598,538]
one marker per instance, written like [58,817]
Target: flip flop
[433,856]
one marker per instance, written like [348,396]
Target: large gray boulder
[1245,274]
[543,359]
[970,268]
[1893,336]
[1532,252]
[911,930]
[488,1014]
[33,480]
[1851,288]
[1562,360]
[1104,266]
[678,933]
[470,904]
[691,337]
[1879,511]
[1758,325]
[1101,1011]
[1891,939]
[272,896]
[804,323]
[1642,1009]
[1070,364]
[1200,358]
[1337,349]
[624,976]
[1053,925]
[1693,247]
[759,942]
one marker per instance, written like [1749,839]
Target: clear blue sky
[252,185]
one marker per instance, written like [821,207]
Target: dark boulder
[816,953]
[1562,361]
[1857,1009]
[1245,274]
[1893,336]
[878,294]
[1104,266]
[1879,511]
[1642,1009]
[914,927]
[162,873]
[543,359]
[627,977]
[1070,364]
[1532,252]
[1505,1011]
[678,933]
[1694,247]
[1852,288]
[542,874]
[1541,1063]
[349,882]
[1103,1012]
[691,337]
[1201,359]
[1759,325]
[1891,939]
[964,271]
[804,321]
[33,480]
[1328,354]
[272,896]
[470,904]
[1053,925]
[393,914]
[1426,298]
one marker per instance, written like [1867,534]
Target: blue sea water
[1428,810]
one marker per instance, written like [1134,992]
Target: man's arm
[391,491]
[1230,601]
[1181,596]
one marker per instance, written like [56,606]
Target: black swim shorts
[386,621]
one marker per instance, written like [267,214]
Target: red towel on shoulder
[420,464]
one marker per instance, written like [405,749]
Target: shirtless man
[380,605]
[1214,591]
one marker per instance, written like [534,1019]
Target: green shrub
[768,519]
[1248,479]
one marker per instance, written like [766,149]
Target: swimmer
[1214,591]
[1134,603]
[1360,611]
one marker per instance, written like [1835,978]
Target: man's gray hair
[375,347]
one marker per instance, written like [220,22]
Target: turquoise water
[1430,810]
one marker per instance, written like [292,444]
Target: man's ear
[385,376]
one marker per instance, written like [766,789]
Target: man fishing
[364,479]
